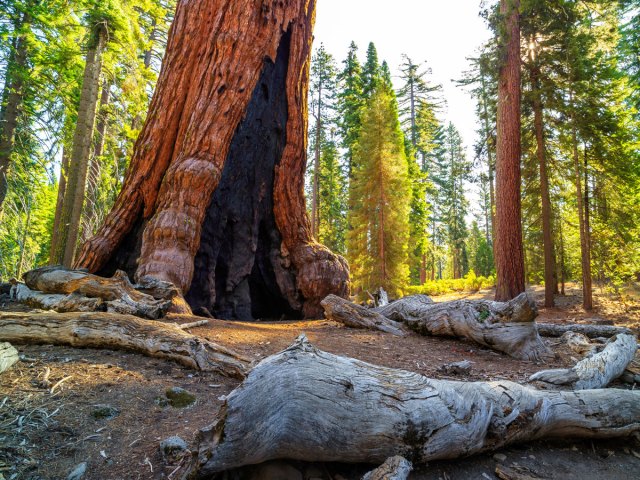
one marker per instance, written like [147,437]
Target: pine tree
[372,73]
[377,242]
[322,95]
[350,102]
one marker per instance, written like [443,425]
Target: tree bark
[591,331]
[79,160]
[505,327]
[550,284]
[596,371]
[308,405]
[117,292]
[12,100]
[509,254]
[62,187]
[213,201]
[8,356]
[587,294]
[394,468]
[122,332]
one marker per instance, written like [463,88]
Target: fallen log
[591,331]
[117,291]
[356,316]
[308,405]
[595,371]
[56,301]
[122,332]
[580,344]
[394,468]
[8,356]
[507,327]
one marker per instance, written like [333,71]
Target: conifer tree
[350,102]
[377,242]
[372,73]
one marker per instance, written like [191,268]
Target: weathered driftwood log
[8,356]
[309,405]
[117,290]
[596,371]
[591,331]
[394,468]
[56,301]
[356,316]
[122,332]
[406,307]
[580,343]
[507,327]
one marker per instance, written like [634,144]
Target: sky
[442,33]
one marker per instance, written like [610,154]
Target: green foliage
[377,244]
[469,283]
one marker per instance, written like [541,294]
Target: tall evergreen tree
[372,73]
[377,242]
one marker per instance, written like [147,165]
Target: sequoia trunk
[508,248]
[213,201]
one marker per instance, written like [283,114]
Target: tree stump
[213,200]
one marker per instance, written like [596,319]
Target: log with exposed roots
[122,332]
[598,369]
[508,327]
[309,405]
[63,290]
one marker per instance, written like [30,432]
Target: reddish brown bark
[508,248]
[213,201]
[550,284]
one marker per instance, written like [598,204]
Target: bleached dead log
[406,307]
[309,405]
[596,371]
[117,292]
[356,316]
[579,343]
[591,331]
[199,323]
[507,327]
[394,468]
[56,301]
[122,332]
[8,356]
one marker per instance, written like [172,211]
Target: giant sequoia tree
[213,200]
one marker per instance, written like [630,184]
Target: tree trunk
[394,468]
[591,331]
[596,371]
[122,332]
[79,161]
[509,255]
[490,164]
[550,284]
[506,327]
[62,187]
[315,200]
[308,405]
[587,294]
[213,201]
[93,182]
[12,100]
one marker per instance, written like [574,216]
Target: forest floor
[44,435]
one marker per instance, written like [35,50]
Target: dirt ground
[48,400]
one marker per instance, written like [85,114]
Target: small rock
[499,457]
[173,449]
[104,412]
[179,397]
[457,368]
[78,472]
